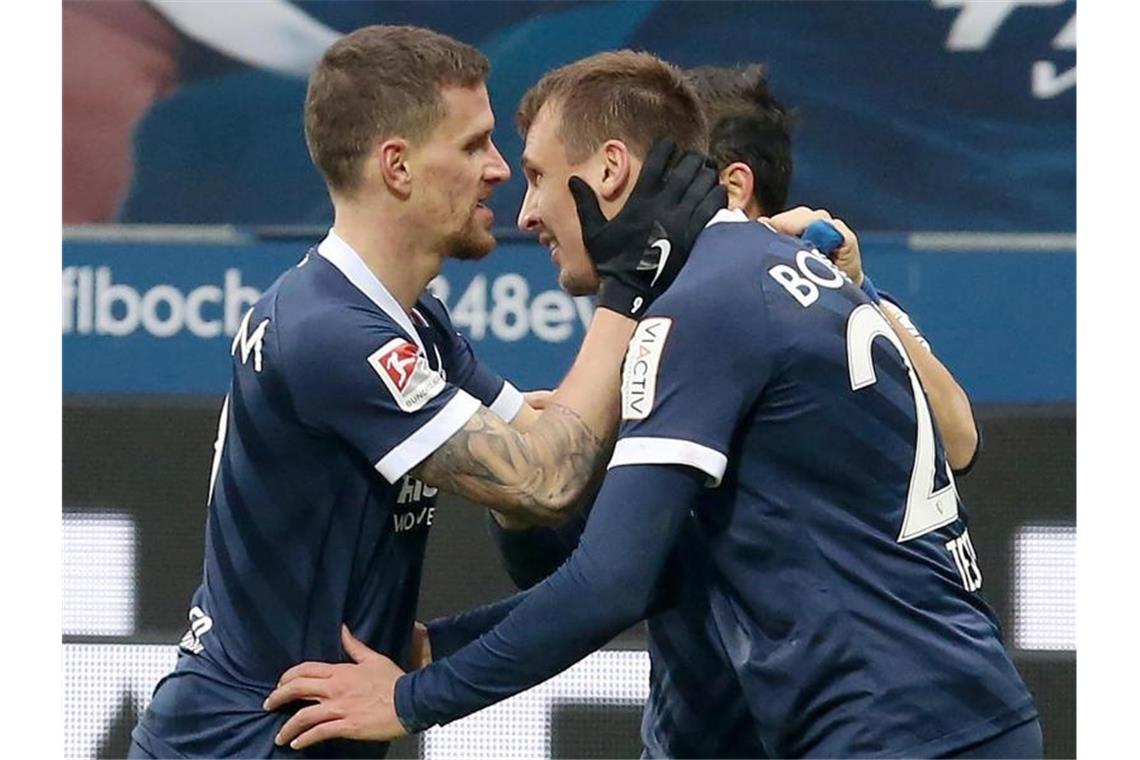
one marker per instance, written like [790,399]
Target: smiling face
[548,207]
[454,172]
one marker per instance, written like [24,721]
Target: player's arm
[608,584]
[529,555]
[540,474]
[446,635]
[521,410]
[532,552]
[668,450]
[638,517]
[533,404]
[948,401]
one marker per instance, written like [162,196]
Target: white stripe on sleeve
[432,434]
[508,403]
[647,450]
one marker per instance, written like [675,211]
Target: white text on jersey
[248,342]
[805,287]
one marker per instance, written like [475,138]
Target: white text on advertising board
[499,308]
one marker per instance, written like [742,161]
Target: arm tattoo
[539,474]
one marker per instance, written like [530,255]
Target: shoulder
[323,328]
[722,278]
[741,239]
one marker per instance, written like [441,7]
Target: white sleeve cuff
[508,403]
[432,434]
[646,450]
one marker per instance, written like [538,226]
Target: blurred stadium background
[942,130]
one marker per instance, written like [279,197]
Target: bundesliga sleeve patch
[405,371]
[639,373]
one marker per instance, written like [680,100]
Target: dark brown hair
[625,95]
[377,82]
[747,124]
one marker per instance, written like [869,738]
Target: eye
[478,144]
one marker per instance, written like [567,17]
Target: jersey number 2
[926,509]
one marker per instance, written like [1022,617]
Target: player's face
[460,167]
[548,207]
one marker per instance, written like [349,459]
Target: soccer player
[695,706]
[766,395]
[353,399]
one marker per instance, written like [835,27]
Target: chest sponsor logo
[413,489]
[414,493]
[639,373]
[417,518]
[405,371]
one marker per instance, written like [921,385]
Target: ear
[390,163]
[739,181]
[617,170]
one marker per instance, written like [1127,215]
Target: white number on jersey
[926,510]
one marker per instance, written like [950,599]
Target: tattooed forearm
[539,474]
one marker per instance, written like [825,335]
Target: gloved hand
[641,250]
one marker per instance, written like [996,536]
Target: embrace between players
[777,441]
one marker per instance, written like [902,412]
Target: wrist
[509,523]
[868,288]
[617,297]
[442,635]
[404,704]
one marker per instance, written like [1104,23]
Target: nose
[528,214]
[498,170]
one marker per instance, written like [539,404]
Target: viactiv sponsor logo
[94,304]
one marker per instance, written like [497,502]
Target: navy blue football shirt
[695,707]
[313,520]
[842,582]
[846,589]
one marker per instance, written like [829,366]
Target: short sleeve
[692,370]
[468,372]
[356,375]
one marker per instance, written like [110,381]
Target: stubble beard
[577,283]
[472,243]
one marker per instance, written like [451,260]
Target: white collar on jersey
[728,215]
[340,255]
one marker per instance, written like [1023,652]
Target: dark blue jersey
[313,519]
[696,707]
[845,585]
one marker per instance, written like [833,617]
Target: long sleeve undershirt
[532,554]
[606,585]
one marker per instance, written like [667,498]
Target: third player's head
[749,136]
[597,118]
[398,121]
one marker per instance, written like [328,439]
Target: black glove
[640,251]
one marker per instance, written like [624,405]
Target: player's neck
[387,248]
